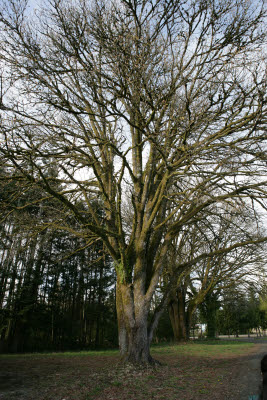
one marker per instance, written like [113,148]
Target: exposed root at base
[128,364]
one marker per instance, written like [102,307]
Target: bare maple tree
[160,102]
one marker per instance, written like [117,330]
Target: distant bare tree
[161,101]
[225,254]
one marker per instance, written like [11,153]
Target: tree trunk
[176,308]
[211,326]
[209,308]
[132,314]
[212,306]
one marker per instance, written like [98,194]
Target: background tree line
[56,291]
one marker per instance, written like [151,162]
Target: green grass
[90,353]
[204,349]
[201,348]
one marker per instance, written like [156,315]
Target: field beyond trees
[207,370]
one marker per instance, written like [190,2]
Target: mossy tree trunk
[132,315]
[177,314]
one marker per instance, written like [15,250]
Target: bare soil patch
[184,375]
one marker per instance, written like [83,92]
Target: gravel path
[249,376]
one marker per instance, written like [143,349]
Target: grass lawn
[205,370]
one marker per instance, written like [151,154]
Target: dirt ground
[181,377]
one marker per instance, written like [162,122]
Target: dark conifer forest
[57,292]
